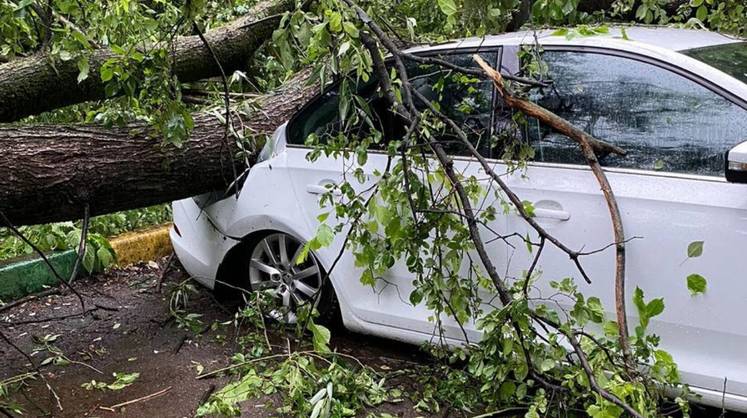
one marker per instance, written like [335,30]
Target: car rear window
[729,58]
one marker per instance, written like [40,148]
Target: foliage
[121,381]
[66,235]
[411,211]
[178,302]
[60,236]
[729,16]
[10,386]
[314,382]
[130,220]
[696,283]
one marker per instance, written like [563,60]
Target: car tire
[271,267]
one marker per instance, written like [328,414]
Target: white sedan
[674,99]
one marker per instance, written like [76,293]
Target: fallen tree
[49,173]
[39,83]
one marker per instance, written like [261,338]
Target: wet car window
[729,58]
[663,120]
[467,100]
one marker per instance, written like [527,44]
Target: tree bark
[49,172]
[39,83]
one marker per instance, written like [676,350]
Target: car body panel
[666,210]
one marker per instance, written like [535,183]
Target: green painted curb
[21,278]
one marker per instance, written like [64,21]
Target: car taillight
[176,229]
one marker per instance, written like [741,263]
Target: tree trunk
[49,172]
[39,83]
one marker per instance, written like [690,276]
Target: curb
[32,275]
[142,245]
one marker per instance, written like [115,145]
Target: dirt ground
[129,331]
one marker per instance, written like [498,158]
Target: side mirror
[736,164]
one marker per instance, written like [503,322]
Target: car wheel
[273,269]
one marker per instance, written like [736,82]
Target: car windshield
[729,58]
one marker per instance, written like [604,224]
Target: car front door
[671,192]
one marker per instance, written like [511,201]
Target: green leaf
[106,73]
[122,380]
[638,300]
[696,3]
[324,235]
[702,13]
[655,307]
[233,393]
[89,259]
[695,249]
[448,7]
[646,311]
[569,7]
[528,208]
[335,21]
[696,284]
[350,29]
[596,310]
[640,14]
[416,297]
[83,68]
[320,337]
[547,365]
[66,55]
[81,39]
[104,256]
[367,278]
[624,33]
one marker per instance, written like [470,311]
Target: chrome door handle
[321,189]
[559,215]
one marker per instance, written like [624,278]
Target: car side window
[468,101]
[663,120]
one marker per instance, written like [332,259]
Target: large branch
[39,83]
[49,173]
[584,141]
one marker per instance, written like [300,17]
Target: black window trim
[498,49]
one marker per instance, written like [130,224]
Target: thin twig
[83,242]
[584,141]
[51,319]
[144,398]
[34,366]
[227,104]
[29,298]
[165,270]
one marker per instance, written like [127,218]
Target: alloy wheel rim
[273,269]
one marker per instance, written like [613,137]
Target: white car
[675,99]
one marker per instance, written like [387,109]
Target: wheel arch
[236,260]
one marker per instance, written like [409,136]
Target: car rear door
[671,192]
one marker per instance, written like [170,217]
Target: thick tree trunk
[49,172]
[40,83]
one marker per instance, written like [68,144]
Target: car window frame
[497,49]
[503,50]
[692,76]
